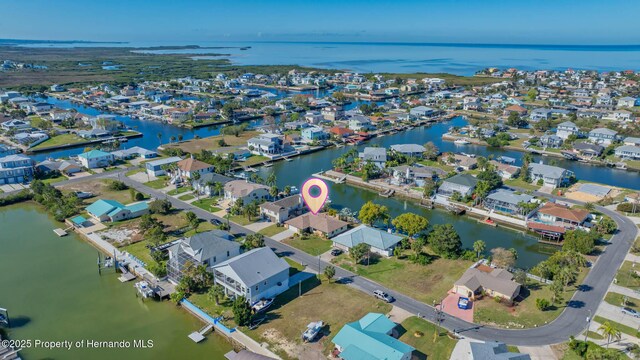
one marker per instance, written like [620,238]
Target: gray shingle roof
[205,245]
[256,266]
[363,234]
[463,179]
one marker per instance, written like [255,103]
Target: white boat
[261,305]
[143,289]
[313,329]
[267,165]
[461,142]
[294,190]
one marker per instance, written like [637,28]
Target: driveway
[283,235]
[450,306]
[257,226]
[614,313]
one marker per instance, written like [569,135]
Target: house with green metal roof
[96,159]
[381,242]
[111,210]
[371,337]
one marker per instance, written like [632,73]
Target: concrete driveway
[614,313]
[283,235]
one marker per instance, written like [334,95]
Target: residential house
[282,210]
[372,337]
[313,117]
[360,123]
[16,168]
[421,111]
[189,167]
[628,152]
[156,167]
[471,103]
[66,167]
[321,224]
[257,274]
[245,190]
[559,215]
[506,201]
[493,350]
[540,114]
[603,136]
[588,150]
[332,113]
[6,150]
[411,150]
[341,132]
[208,248]
[627,141]
[550,141]
[464,184]
[623,115]
[567,129]
[96,159]
[206,184]
[552,176]
[505,170]
[111,210]
[378,156]
[134,152]
[626,102]
[314,134]
[464,162]
[405,174]
[264,144]
[15,125]
[483,279]
[381,242]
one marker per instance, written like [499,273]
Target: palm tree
[180,137]
[610,331]
[271,179]
[287,190]
[159,137]
[215,293]
[479,246]
[218,187]
[589,206]
[273,191]
[172,139]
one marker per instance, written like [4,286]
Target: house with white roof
[628,152]
[411,150]
[553,176]
[156,167]
[245,190]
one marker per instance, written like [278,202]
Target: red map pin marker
[315,203]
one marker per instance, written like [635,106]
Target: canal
[52,289]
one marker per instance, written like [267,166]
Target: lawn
[623,328]
[426,283]
[195,146]
[334,304]
[311,244]
[594,335]
[159,183]
[179,190]
[134,171]
[627,276]
[139,250]
[63,139]
[53,180]
[616,300]
[272,230]
[525,314]
[295,267]
[441,349]
[242,220]
[521,183]
[209,306]
[207,204]
[186,197]
[436,164]
[100,190]
[255,159]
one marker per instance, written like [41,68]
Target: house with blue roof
[112,210]
[372,337]
[381,242]
[96,159]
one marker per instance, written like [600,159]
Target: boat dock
[198,336]
[324,176]
[61,232]
[126,275]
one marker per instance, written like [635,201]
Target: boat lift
[4,317]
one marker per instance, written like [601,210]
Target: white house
[378,156]
[603,136]
[567,129]
[628,152]
[96,159]
[553,176]
[189,166]
[245,190]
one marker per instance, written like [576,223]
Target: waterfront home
[282,210]
[341,132]
[206,183]
[111,210]
[588,150]
[134,152]
[333,113]
[521,111]
[378,156]
[381,242]
[506,201]
[157,167]
[207,248]
[405,174]
[540,114]
[94,134]
[295,125]
[320,224]
[421,111]
[463,184]
[245,190]
[313,117]
[567,129]
[633,141]
[372,337]
[471,103]
[464,162]
[16,168]
[66,167]
[360,123]
[552,176]
[266,144]
[96,159]
[482,279]
[411,150]
[187,168]
[631,152]
[14,125]
[603,136]
[623,115]
[559,215]
[257,274]
[493,350]
[6,150]
[626,102]
[550,141]
[506,171]
[314,133]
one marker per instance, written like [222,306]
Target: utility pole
[588,325]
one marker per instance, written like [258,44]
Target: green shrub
[542,304]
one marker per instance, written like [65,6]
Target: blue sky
[184,21]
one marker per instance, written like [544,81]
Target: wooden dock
[60,232]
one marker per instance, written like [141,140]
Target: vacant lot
[64,139]
[311,244]
[420,334]
[195,146]
[99,188]
[628,276]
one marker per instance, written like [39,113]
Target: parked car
[630,311]
[383,296]
[215,222]
[336,252]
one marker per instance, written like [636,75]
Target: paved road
[571,322]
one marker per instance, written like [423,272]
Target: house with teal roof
[381,242]
[371,337]
[96,159]
[111,210]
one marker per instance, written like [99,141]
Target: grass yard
[207,204]
[209,306]
[525,314]
[53,180]
[436,164]
[63,139]
[242,220]
[623,328]
[594,335]
[627,276]
[334,304]
[186,197]
[100,190]
[159,183]
[441,349]
[616,300]
[139,250]
[179,190]
[272,230]
[311,244]
[521,183]
[422,282]
[134,171]
[195,146]
[255,159]
[295,268]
